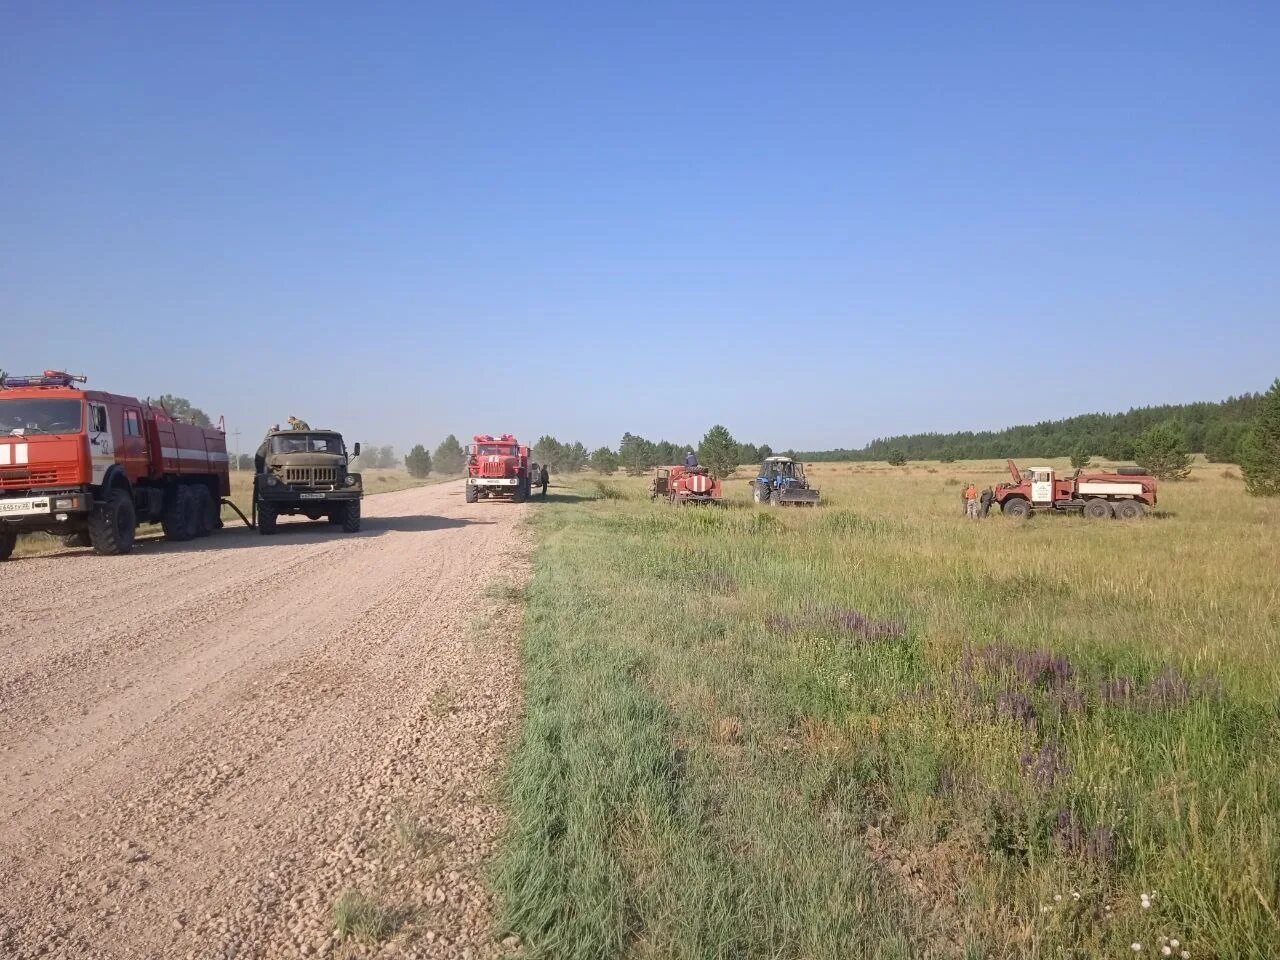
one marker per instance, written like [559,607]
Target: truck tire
[351,517]
[78,539]
[7,542]
[113,524]
[179,518]
[472,493]
[267,515]
[1097,509]
[337,513]
[1131,471]
[206,509]
[1016,507]
[1130,510]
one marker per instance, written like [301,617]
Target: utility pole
[236,434]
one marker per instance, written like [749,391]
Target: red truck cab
[94,465]
[497,466]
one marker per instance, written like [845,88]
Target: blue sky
[815,223]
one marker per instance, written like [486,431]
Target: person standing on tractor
[691,459]
[971,502]
[544,478]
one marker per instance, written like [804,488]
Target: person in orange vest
[971,501]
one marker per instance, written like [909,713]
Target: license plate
[24,506]
[311,496]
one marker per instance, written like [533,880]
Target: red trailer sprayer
[1125,494]
[94,465]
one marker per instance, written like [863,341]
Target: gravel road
[203,747]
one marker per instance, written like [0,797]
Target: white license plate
[23,507]
[311,496]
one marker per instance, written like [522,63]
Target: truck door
[1042,486]
[102,445]
[132,449]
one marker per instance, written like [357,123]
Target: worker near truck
[544,478]
[987,496]
[296,424]
[971,501]
[690,459]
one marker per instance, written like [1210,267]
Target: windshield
[306,443]
[41,415]
[498,449]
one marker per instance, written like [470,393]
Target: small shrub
[357,917]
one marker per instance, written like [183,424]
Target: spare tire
[1131,471]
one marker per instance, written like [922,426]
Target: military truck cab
[306,472]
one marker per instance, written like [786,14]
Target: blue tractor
[782,482]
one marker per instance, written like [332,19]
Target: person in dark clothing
[544,478]
[690,459]
[988,495]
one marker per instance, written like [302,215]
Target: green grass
[360,918]
[756,733]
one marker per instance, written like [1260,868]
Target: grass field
[375,481]
[879,729]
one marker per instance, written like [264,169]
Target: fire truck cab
[91,466]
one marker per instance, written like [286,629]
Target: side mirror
[355,451]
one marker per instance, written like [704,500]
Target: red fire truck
[497,467]
[91,466]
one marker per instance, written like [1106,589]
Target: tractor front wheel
[760,493]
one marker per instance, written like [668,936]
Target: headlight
[351,480]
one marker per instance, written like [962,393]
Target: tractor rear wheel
[113,524]
[267,516]
[7,542]
[1130,510]
[1016,507]
[1097,509]
[351,517]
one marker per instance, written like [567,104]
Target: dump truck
[782,483]
[306,472]
[90,466]
[497,466]
[684,484]
[1125,494]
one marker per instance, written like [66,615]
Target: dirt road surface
[204,746]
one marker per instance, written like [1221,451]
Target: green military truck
[305,472]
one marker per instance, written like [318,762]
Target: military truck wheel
[206,509]
[267,515]
[113,524]
[1130,509]
[351,517]
[1097,509]
[1016,507]
[179,519]
[7,542]
[473,494]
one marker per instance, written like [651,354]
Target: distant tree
[418,462]
[765,451]
[948,455]
[603,460]
[1080,457]
[244,461]
[575,457]
[549,452]
[387,458]
[449,456]
[718,451]
[1260,448]
[1162,451]
[181,408]
[368,459]
[636,454]
[1222,441]
[897,457]
[748,453]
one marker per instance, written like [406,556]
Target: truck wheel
[336,514]
[78,539]
[1130,510]
[1016,507]
[351,517]
[112,525]
[1097,509]
[267,515]
[206,509]
[7,542]
[179,519]
[472,493]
